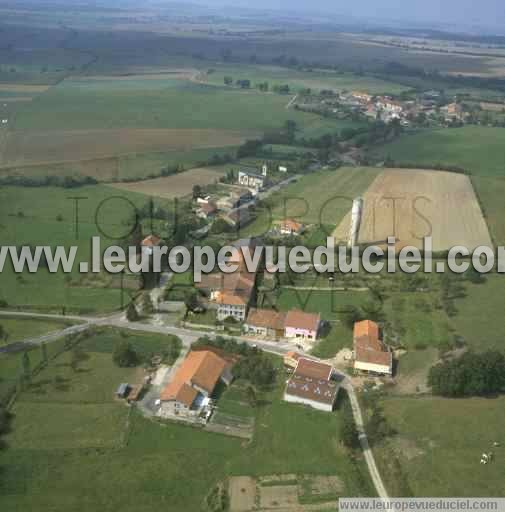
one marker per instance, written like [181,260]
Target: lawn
[89,457]
[476,149]
[490,192]
[46,216]
[439,445]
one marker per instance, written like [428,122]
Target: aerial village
[430,106]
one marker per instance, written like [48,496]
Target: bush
[470,375]
[124,355]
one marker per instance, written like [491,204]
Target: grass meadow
[438,445]
[46,216]
[477,149]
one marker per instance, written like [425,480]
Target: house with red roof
[313,384]
[371,354]
[301,325]
[192,386]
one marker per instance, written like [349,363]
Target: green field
[490,192]
[46,216]
[315,80]
[439,445]
[477,311]
[477,149]
[417,320]
[89,103]
[87,452]
[19,328]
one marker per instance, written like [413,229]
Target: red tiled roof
[368,348]
[151,241]
[322,391]
[268,318]
[300,320]
[313,369]
[200,368]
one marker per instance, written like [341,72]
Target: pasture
[477,149]
[91,451]
[18,328]
[35,216]
[411,204]
[439,444]
[164,103]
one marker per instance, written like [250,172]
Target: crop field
[491,192]
[88,449]
[440,204]
[29,147]
[178,185]
[477,149]
[439,443]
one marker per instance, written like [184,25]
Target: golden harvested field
[26,147]
[170,187]
[411,204]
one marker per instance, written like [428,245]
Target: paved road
[189,336]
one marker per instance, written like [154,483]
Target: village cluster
[189,393]
[385,108]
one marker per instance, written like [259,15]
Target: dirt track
[411,204]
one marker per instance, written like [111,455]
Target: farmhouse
[371,355]
[231,292]
[239,217]
[189,392]
[251,180]
[290,227]
[265,322]
[312,384]
[301,325]
[149,243]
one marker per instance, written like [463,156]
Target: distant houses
[371,354]
[290,227]
[252,180]
[189,392]
[313,384]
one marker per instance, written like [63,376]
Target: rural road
[188,337]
